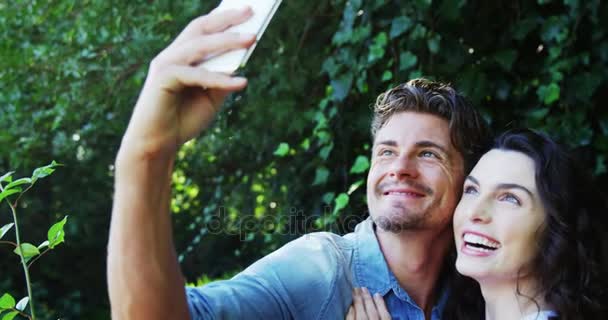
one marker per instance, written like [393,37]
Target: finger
[358,304]
[186,76]
[215,21]
[370,306]
[200,47]
[351,313]
[382,310]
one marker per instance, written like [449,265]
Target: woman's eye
[470,190]
[510,198]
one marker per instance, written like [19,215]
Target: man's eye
[429,154]
[470,190]
[386,152]
[510,198]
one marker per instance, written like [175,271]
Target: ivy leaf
[399,25]
[18,182]
[506,58]
[321,176]
[538,114]
[433,44]
[27,250]
[8,192]
[10,316]
[407,60]
[387,75]
[43,245]
[353,187]
[341,86]
[548,94]
[7,176]
[361,165]
[7,302]
[282,149]
[22,303]
[341,201]
[5,229]
[45,171]
[56,234]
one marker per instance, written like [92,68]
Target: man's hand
[180,99]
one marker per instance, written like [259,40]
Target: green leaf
[28,251]
[282,149]
[5,229]
[45,171]
[387,75]
[341,201]
[548,94]
[10,316]
[7,301]
[321,176]
[399,26]
[361,165]
[506,58]
[8,192]
[7,176]
[539,113]
[407,60]
[22,303]
[353,187]
[18,182]
[328,197]
[43,245]
[341,86]
[56,234]
[433,44]
[325,151]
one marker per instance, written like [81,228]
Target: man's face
[416,173]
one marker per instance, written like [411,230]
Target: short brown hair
[469,133]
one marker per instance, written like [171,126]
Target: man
[425,138]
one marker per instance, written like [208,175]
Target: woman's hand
[367,308]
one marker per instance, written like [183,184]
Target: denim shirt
[311,277]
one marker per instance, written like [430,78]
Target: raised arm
[177,102]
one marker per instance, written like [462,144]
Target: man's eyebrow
[391,143]
[431,144]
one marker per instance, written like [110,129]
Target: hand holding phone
[230,61]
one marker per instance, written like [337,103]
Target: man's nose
[404,167]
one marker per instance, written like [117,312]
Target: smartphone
[230,61]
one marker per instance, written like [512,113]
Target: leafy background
[295,143]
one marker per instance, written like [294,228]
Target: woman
[530,230]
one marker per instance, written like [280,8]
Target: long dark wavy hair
[571,264]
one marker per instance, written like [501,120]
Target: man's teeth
[402,193]
[479,242]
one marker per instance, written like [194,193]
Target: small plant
[27,252]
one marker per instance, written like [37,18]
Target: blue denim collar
[371,269]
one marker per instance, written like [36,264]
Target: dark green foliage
[295,142]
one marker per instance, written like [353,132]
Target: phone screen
[263,10]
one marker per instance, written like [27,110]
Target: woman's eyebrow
[514,186]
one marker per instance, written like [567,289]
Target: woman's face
[499,218]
